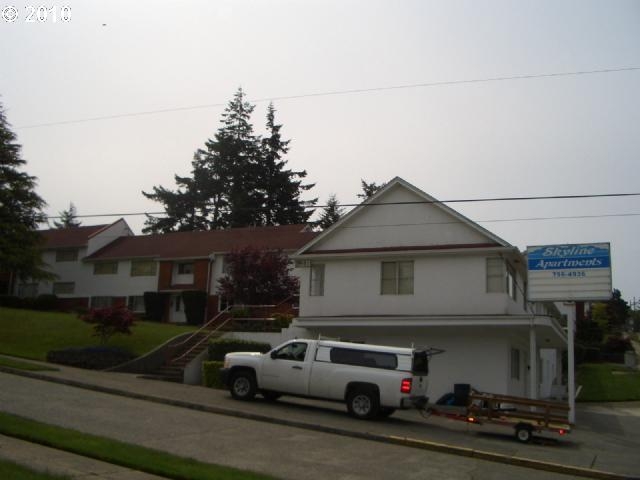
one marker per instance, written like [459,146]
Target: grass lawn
[13,471]
[608,382]
[31,334]
[119,453]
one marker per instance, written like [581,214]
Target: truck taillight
[405,386]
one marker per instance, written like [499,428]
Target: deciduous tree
[257,277]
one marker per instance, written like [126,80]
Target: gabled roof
[202,244]
[72,237]
[492,240]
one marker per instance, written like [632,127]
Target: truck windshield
[420,364]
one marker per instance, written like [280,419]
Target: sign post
[570,272]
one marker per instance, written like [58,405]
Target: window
[495,275]
[293,351]
[185,268]
[511,282]
[67,255]
[105,268]
[396,278]
[364,358]
[101,302]
[64,288]
[316,284]
[515,364]
[136,303]
[143,268]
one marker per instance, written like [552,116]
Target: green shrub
[46,302]
[93,358]
[240,312]
[195,303]
[219,348]
[11,301]
[211,374]
[282,320]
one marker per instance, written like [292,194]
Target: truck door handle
[297,367]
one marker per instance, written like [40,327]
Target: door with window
[177,314]
[286,370]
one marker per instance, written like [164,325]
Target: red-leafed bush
[257,277]
[109,321]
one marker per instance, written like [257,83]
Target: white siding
[443,285]
[400,225]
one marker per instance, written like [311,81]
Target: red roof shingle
[202,244]
[72,237]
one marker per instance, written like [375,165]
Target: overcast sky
[561,135]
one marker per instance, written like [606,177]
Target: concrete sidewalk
[606,438]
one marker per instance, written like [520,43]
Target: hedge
[92,358]
[219,348]
[44,302]
[211,374]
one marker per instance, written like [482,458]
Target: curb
[389,439]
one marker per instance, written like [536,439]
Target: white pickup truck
[373,380]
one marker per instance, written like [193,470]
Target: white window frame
[495,274]
[392,281]
[66,255]
[64,288]
[316,279]
[138,268]
[101,268]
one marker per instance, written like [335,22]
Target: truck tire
[523,433]
[363,403]
[243,385]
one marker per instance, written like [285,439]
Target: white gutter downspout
[206,306]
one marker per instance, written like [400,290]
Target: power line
[418,202]
[337,92]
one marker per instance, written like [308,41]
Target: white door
[288,371]
[177,309]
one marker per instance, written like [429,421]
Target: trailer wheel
[523,433]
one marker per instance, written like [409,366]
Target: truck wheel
[243,385]
[523,433]
[363,403]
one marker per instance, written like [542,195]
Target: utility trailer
[525,415]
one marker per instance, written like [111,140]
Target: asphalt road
[285,452]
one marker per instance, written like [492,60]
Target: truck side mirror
[274,354]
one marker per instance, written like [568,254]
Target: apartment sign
[569,272]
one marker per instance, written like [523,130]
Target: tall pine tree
[238,179]
[281,188]
[68,218]
[20,212]
[331,213]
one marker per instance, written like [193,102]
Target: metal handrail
[215,330]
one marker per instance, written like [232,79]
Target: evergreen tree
[68,218]
[238,179]
[20,211]
[331,213]
[281,188]
[369,189]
